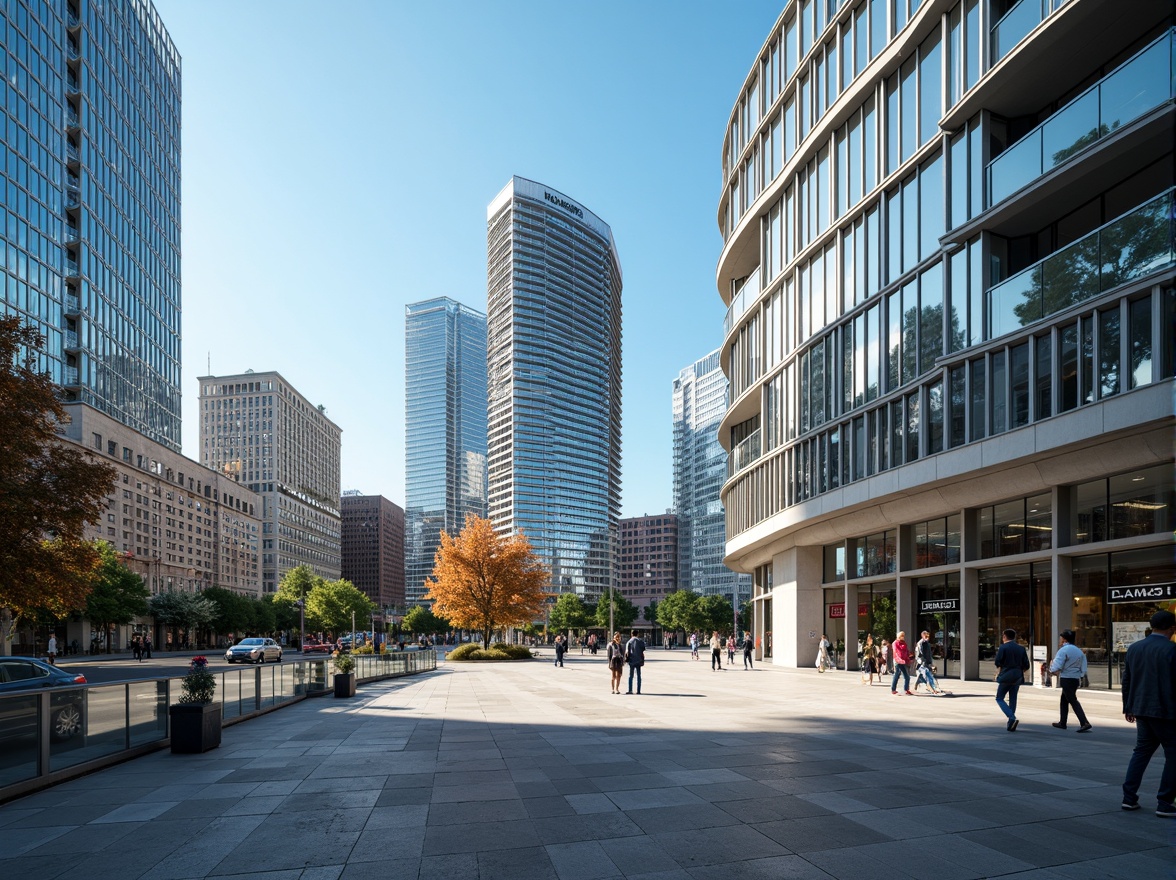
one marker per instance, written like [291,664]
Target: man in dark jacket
[635,657]
[1012,661]
[1149,702]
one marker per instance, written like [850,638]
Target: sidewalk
[523,770]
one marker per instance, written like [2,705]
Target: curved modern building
[951,286]
[553,296]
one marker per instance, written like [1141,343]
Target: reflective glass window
[1141,342]
[1109,352]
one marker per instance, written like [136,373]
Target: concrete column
[798,606]
[905,616]
[970,624]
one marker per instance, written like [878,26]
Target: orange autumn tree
[483,581]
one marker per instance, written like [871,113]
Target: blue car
[18,716]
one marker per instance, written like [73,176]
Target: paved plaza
[524,771]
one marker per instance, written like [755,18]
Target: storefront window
[1021,526]
[1016,597]
[937,542]
[1136,503]
[877,613]
[873,554]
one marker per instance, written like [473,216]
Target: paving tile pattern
[523,770]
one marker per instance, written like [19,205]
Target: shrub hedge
[497,651]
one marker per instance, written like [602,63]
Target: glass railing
[71,267]
[1137,244]
[743,299]
[71,303]
[1016,24]
[71,152]
[70,375]
[51,731]
[71,338]
[71,117]
[71,233]
[73,181]
[743,453]
[1140,85]
[71,20]
[72,199]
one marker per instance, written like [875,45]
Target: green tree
[746,617]
[330,605]
[716,613]
[569,613]
[422,621]
[47,487]
[183,611]
[280,615]
[233,613]
[297,583]
[651,611]
[264,616]
[117,595]
[679,611]
[624,611]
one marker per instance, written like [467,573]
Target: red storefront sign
[837,610]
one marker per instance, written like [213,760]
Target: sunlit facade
[444,429]
[951,287]
[554,382]
[700,469]
[90,202]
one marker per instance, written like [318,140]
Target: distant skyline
[338,161]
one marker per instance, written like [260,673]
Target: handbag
[1084,681]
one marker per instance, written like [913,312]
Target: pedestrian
[716,646]
[51,649]
[635,657]
[147,646]
[869,664]
[925,663]
[694,645]
[731,650]
[616,661]
[824,660]
[137,648]
[884,659]
[748,648]
[560,647]
[902,658]
[1149,702]
[1069,664]
[1012,661]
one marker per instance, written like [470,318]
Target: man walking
[51,649]
[635,657]
[1069,664]
[1012,661]
[748,648]
[559,650]
[1149,702]
[925,663]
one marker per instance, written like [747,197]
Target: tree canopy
[483,581]
[570,612]
[48,488]
[717,613]
[330,605]
[117,595]
[422,621]
[187,611]
[624,611]
[679,611]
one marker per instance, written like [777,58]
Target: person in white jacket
[1069,665]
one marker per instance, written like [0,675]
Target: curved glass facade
[90,202]
[444,429]
[932,243]
[554,382]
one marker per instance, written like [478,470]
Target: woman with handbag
[1069,665]
[616,661]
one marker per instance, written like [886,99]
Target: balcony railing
[71,233]
[72,153]
[72,199]
[1136,87]
[1132,246]
[73,181]
[70,376]
[71,304]
[71,118]
[744,453]
[71,267]
[71,338]
[746,296]
[1016,24]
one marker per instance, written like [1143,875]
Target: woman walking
[716,646]
[824,659]
[616,661]
[869,662]
[884,659]
[731,650]
[902,657]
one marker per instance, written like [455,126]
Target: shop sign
[1141,593]
[932,606]
[837,611]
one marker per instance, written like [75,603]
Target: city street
[526,770]
[123,667]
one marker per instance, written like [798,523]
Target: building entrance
[938,604]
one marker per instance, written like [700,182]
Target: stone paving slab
[522,770]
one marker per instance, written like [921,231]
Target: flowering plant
[199,685]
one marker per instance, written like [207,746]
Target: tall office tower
[554,359]
[700,469]
[951,287]
[90,176]
[444,429]
[647,564]
[373,547]
[258,429]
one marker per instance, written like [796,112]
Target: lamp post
[301,624]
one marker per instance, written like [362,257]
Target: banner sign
[931,606]
[837,611]
[1141,593]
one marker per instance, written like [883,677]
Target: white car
[254,651]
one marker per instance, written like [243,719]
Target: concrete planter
[195,727]
[344,684]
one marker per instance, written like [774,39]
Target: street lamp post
[301,624]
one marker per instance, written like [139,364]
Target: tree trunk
[486,634]
[5,632]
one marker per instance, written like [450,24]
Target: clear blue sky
[338,159]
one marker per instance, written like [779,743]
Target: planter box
[195,727]
[344,684]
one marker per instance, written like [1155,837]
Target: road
[117,667]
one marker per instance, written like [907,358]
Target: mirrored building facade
[951,287]
[444,429]
[700,469]
[90,202]
[554,382]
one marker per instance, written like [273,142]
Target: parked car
[254,650]
[310,646]
[67,707]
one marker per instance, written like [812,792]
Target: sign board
[1124,635]
[1040,653]
[837,610]
[932,606]
[1141,593]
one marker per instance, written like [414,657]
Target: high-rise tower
[444,429]
[91,192]
[554,361]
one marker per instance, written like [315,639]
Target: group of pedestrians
[141,647]
[631,652]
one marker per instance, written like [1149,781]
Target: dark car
[18,717]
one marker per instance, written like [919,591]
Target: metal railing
[744,452]
[1122,96]
[55,734]
[1137,244]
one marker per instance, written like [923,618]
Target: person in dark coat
[635,657]
[1149,702]
[1012,661]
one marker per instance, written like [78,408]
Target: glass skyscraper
[554,360]
[90,202]
[700,469]
[444,429]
